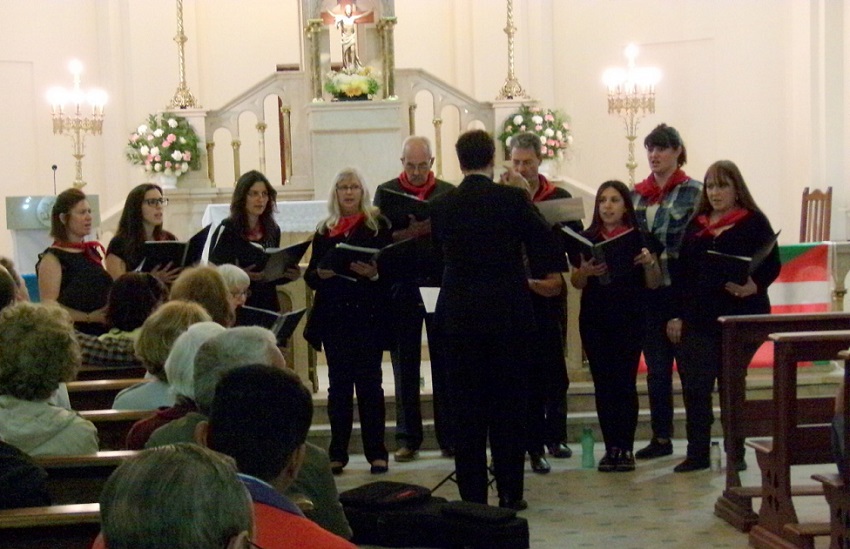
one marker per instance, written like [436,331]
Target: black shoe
[337,467]
[741,465]
[448,452]
[655,449]
[609,461]
[692,464]
[515,504]
[539,464]
[626,462]
[379,467]
[560,450]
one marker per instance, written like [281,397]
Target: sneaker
[692,464]
[404,454]
[626,462]
[609,461]
[655,449]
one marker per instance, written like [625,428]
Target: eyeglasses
[239,293]
[154,202]
[258,194]
[423,167]
[344,188]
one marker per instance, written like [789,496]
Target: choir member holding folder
[611,321]
[242,238]
[141,221]
[347,318]
[405,201]
[728,221]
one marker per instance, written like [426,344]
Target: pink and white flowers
[165,144]
[551,126]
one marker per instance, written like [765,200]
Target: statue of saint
[347,22]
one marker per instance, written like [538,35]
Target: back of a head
[236,347]
[132,299]
[8,288]
[161,330]
[475,150]
[174,497]
[260,415]
[37,350]
[204,285]
[180,364]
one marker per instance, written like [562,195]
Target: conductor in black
[486,314]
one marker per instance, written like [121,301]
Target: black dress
[118,248]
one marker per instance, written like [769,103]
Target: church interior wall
[745,80]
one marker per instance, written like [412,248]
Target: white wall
[761,82]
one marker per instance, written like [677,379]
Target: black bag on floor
[411,520]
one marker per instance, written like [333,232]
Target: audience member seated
[205,285]
[21,292]
[21,480]
[180,497]
[38,352]
[237,282]
[180,371]
[132,299]
[268,442]
[117,353]
[243,346]
[157,336]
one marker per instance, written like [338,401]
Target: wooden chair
[742,418]
[113,425]
[815,215]
[80,478]
[55,526]
[97,394]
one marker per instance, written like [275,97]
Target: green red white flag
[804,283]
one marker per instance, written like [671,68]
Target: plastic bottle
[714,457]
[588,460]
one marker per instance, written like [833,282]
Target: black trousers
[354,363]
[547,388]
[488,382]
[659,353]
[698,370]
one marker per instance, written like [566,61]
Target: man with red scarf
[416,179]
[664,203]
[548,380]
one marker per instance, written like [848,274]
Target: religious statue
[347,22]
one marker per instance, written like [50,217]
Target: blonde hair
[37,350]
[161,330]
[205,285]
[373,215]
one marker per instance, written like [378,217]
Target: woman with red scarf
[71,271]
[348,320]
[251,225]
[611,323]
[726,220]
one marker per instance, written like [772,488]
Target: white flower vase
[165,180]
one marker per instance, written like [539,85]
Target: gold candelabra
[74,124]
[631,94]
[183,98]
[512,88]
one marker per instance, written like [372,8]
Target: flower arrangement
[347,83]
[551,126]
[165,144]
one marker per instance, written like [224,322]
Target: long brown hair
[728,172]
[131,225]
[629,218]
[240,198]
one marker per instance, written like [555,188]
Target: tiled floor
[582,508]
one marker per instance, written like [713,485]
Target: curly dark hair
[629,218]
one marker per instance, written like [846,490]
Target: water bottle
[714,457]
[588,460]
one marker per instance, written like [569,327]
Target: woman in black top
[70,272]
[726,220]
[348,319]
[251,223]
[611,323]
[141,220]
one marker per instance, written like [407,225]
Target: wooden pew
[113,425]
[80,479]
[797,439]
[742,418]
[89,372]
[56,526]
[97,394]
[836,488]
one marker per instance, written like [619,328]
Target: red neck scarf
[544,189]
[256,234]
[616,232]
[653,193]
[347,224]
[93,251]
[420,192]
[704,221]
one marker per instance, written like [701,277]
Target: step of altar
[818,380]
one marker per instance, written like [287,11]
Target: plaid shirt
[111,352]
[673,214]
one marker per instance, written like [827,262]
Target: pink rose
[167,163]
[171,138]
[150,137]
[549,118]
[522,128]
[543,149]
[535,109]
[551,153]
[538,127]
[157,158]
[165,144]
[134,138]
[187,156]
